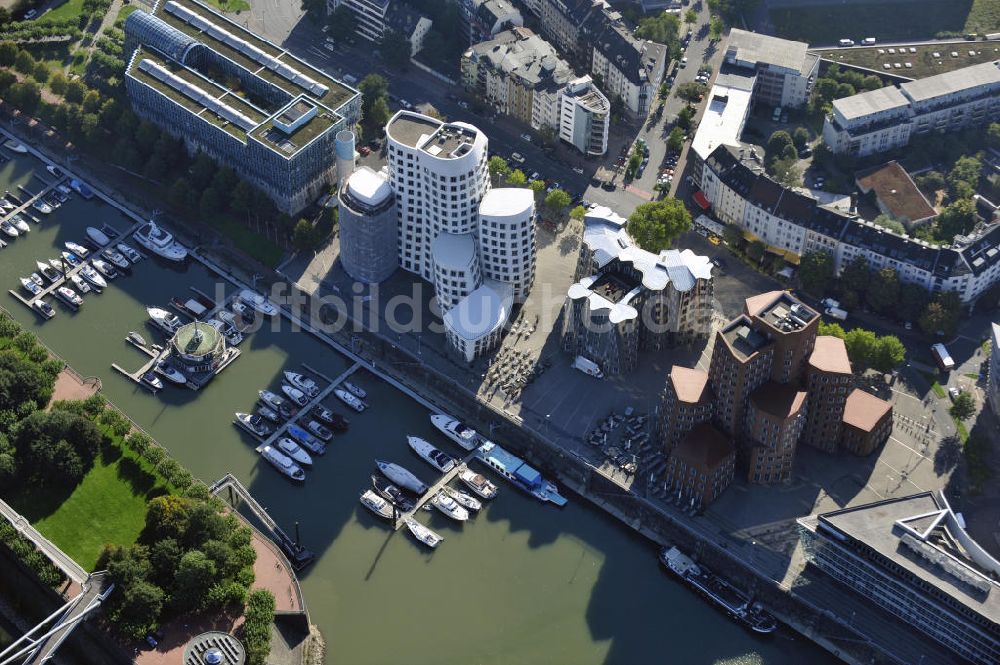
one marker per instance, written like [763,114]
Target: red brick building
[774,422]
[687,402]
[867,422]
[828,381]
[700,467]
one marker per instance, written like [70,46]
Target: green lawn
[68,9]
[248,241]
[984,17]
[963,431]
[231,6]
[917,19]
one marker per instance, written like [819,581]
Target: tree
[755,251]
[733,237]
[578,213]
[685,118]
[167,516]
[137,607]
[499,169]
[883,290]
[856,275]
[8,53]
[304,236]
[24,62]
[41,72]
[889,353]
[964,177]
[692,91]
[861,346]
[816,272]
[887,222]
[934,320]
[257,627]
[777,143]
[800,137]
[690,16]
[372,87]
[957,218]
[912,300]
[195,575]
[675,142]
[25,96]
[557,199]
[787,172]
[657,224]
[74,92]
[395,48]
[211,202]
[715,28]
[517,178]
[964,406]
[662,28]
[55,447]
[343,23]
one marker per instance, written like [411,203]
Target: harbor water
[522,582]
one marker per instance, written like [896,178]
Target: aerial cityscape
[499,331]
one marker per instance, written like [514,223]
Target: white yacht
[48,272]
[95,278]
[20,224]
[443,462]
[30,286]
[478,483]
[80,284]
[15,146]
[293,450]
[8,229]
[283,463]
[69,296]
[164,320]
[294,394]
[160,242]
[116,258]
[354,388]
[401,477]
[422,533]
[70,258]
[169,371]
[463,499]
[458,432]
[350,399]
[55,170]
[43,308]
[376,504]
[302,382]
[449,507]
[97,236]
[79,250]
[254,424]
[105,268]
[258,302]
[42,207]
[129,252]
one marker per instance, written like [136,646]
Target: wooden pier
[136,376]
[435,488]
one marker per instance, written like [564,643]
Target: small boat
[422,533]
[161,318]
[320,431]
[241,310]
[43,309]
[302,382]
[48,272]
[151,380]
[307,440]
[258,302]
[463,499]
[116,257]
[65,191]
[293,450]
[70,258]
[97,236]
[190,307]
[129,252]
[135,338]
[355,389]
[69,296]
[295,395]
[376,504]
[283,463]
[94,278]
[37,279]
[233,337]
[169,371]
[226,317]
[277,403]
[79,250]
[20,224]
[55,170]
[81,188]
[6,205]
[42,207]
[441,461]
[350,399]
[15,146]
[254,424]
[457,431]
[268,413]
[337,422]
[449,507]
[401,477]
[477,483]
[391,493]
[80,284]
[160,242]
[105,269]
[60,265]
[8,229]
[30,286]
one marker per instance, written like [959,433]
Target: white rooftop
[723,120]
[369,186]
[983,74]
[753,48]
[481,312]
[507,202]
[617,311]
[867,103]
[453,250]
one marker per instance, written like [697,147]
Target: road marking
[901,474]
[906,394]
[892,438]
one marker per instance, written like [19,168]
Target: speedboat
[95,278]
[151,380]
[422,533]
[129,252]
[227,317]
[116,257]
[277,403]
[20,224]
[161,318]
[5,204]
[70,258]
[292,449]
[350,399]
[43,308]
[136,338]
[79,250]
[37,279]
[61,265]
[55,170]
[337,422]
[254,424]
[319,430]
[457,431]
[169,371]
[42,207]
[15,146]
[357,390]
[443,462]
[69,296]
[477,483]
[30,286]
[48,272]
[8,229]
[97,236]
[160,242]
[302,382]
[283,463]
[258,302]
[81,188]
[268,413]
[463,499]
[295,395]
[105,269]
[391,493]
[401,477]
[449,507]
[376,504]
[307,440]
[80,284]
[233,337]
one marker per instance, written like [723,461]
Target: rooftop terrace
[744,340]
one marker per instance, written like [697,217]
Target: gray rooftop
[985,74]
[408,128]
[521,53]
[867,103]
[764,49]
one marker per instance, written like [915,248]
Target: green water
[522,582]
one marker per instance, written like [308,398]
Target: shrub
[257,628]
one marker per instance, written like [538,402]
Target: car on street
[715,240]
[684,62]
[526,137]
[517,157]
[577,170]
[953,393]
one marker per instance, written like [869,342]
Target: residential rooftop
[830,355]
[786,314]
[521,53]
[755,49]
[411,129]
[986,74]
[744,341]
[867,103]
[723,120]
[896,191]
[863,410]
[690,385]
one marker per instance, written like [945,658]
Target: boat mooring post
[298,540]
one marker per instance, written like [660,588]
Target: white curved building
[507,238]
[368,227]
[456,268]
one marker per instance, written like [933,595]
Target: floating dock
[435,488]
[136,376]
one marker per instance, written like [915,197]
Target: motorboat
[277,403]
[135,338]
[307,440]
[391,493]
[8,229]
[376,504]
[268,413]
[449,507]
[162,319]
[302,382]
[48,272]
[283,463]
[441,461]
[294,394]
[116,258]
[258,302]
[105,268]
[478,483]
[79,250]
[254,424]
[43,309]
[293,450]
[463,499]
[226,317]
[320,431]
[80,284]
[355,389]
[335,421]
[81,188]
[150,379]
[42,207]
[94,278]
[190,307]
[15,146]
[37,279]
[70,258]
[520,473]
[128,252]
[169,371]
[60,265]
[422,533]
[160,242]
[30,286]
[97,236]
[401,477]
[20,224]
[55,170]
[350,399]
[69,296]
[242,310]
[6,205]
[457,431]
[65,191]
[233,337]
[110,231]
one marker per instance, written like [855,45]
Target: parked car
[526,137]
[517,157]
[577,170]
[953,393]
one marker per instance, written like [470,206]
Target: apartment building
[629,69]
[375,17]
[867,423]
[784,70]
[741,362]
[485,19]
[244,101]
[887,118]
[774,419]
[993,377]
[584,117]
[686,403]
[829,379]
[700,467]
